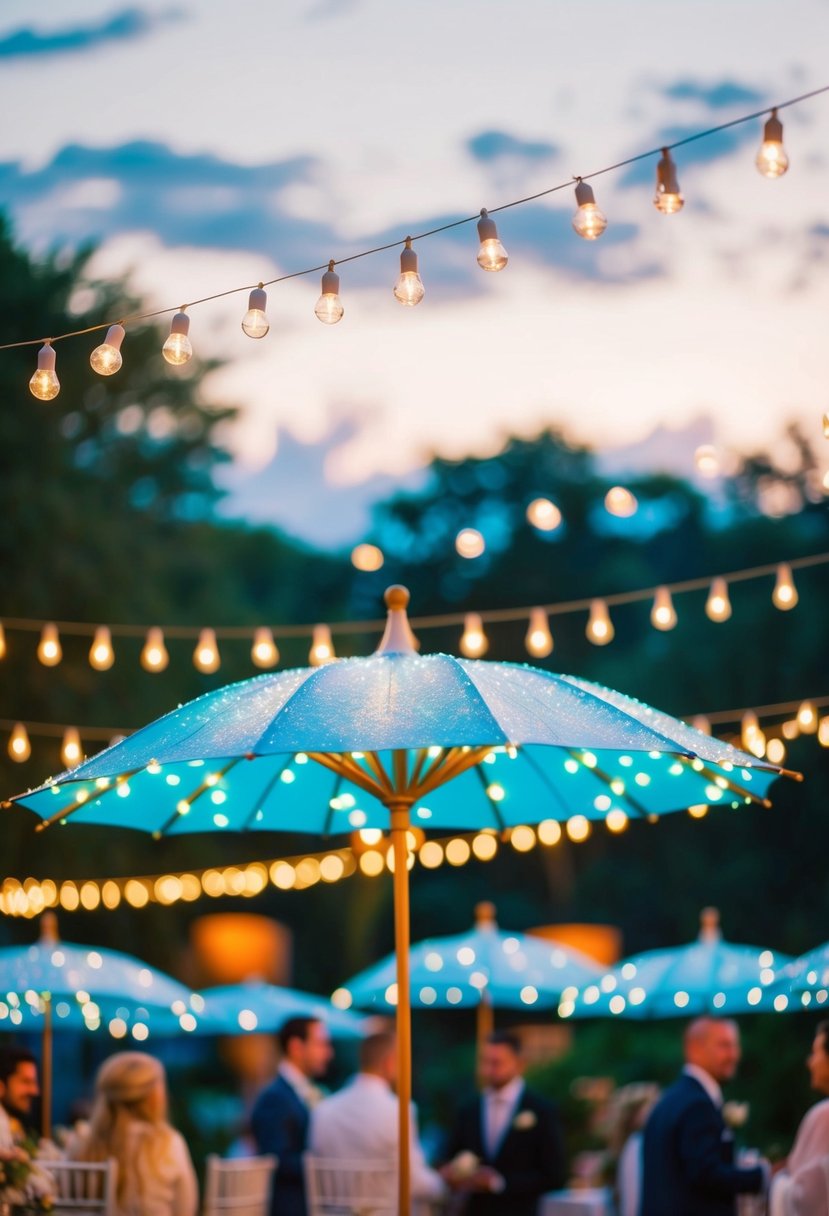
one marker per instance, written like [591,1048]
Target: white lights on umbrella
[106,359]
[367,558]
[718,605]
[19,746]
[206,655]
[264,652]
[44,384]
[588,221]
[474,641]
[600,629]
[785,594]
[707,460]
[668,199]
[663,613]
[621,502]
[409,289]
[539,639]
[49,649]
[807,718]
[322,646]
[70,751]
[101,654]
[254,323]
[544,515]
[492,255]
[329,307]
[772,160]
[178,350]
[470,543]
[154,656]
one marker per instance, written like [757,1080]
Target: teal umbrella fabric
[803,982]
[708,976]
[256,1007]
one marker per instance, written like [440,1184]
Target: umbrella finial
[49,928]
[485,915]
[398,637]
[709,925]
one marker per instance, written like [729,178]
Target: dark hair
[822,1030]
[374,1049]
[10,1057]
[295,1028]
[505,1038]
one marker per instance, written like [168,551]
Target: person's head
[501,1060]
[131,1084]
[18,1082]
[818,1061]
[714,1045]
[306,1043]
[378,1056]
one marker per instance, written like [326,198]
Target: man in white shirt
[360,1121]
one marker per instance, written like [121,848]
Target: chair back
[345,1187]
[238,1186]
[84,1188]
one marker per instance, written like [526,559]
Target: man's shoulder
[685,1094]
[278,1090]
[531,1099]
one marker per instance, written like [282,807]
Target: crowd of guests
[505,1151]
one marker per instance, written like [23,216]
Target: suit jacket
[688,1157]
[530,1156]
[279,1123]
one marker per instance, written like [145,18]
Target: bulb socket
[584,194]
[487,230]
[666,179]
[330,283]
[115,336]
[181,324]
[773,130]
[46,357]
[258,299]
[408,258]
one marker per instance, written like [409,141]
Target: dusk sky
[207,144]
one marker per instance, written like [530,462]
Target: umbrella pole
[46,1071]
[399,827]
[485,1022]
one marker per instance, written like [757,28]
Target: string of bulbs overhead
[588,222]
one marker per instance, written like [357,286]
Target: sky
[206,145]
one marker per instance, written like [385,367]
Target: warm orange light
[539,639]
[49,650]
[154,656]
[101,654]
[474,642]
[264,652]
[367,558]
[322,647]
[718,605]
[206,655]
[70,752]
[600,629]
[19,746]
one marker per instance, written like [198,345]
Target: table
[588,1202]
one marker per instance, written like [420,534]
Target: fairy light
[668,199]
[544,515]
[663,613]
[367,558]
[539,639]
[600,629]
[178,350]
[329,307]
[206,655]
[44,384]
[776,751]
[707,461]
[772,160]
[823,732]
[254,323]
[49,650]
[322,646]
[154,656]
[107,359]
[718,605]
[492,255]
[20,749]
[469,543]
[409,289]
[749,727]
[785,594]
[807,718]
[474,642]
[264,652]
[588,221]
[101,654]
[2,642]
[621,502]
[70,751]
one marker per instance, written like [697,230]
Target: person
[19,1091]
[129,1123]
[280,1116]
[802,1189]
[507,1147]
[634,1103]
[687,1151]
[360,1122]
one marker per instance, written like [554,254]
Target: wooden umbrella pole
[485,1022]
[46,1071]
[399,811]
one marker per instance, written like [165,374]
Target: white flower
[524,1120]
[735,1114]
[464,1165]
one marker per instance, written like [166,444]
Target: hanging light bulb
[621,502]
[492,255]
[749,726]
[544,515]
[701,723]
[663,613]
[264,652]
[101,654]
[785,594]
[178,349]
[668,199]
[776,751]
[772,160]
[322,646]
[823,732]
[44,384]
[539,640]
[718,605]
[106,359]
[409,289]
[757,745]
[154,656]
[329,307]
[588,220]
[474,641]
[2,642]
[254,322]
[70,750]
[19,746]
[600,629]
[49,649]
[206,654]
[807,718]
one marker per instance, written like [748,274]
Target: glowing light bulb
[44,384]
[322,646]
[785,594]
[2,642]
[254,322]
[776,751]
[807,718]
[544,515]
[668,199]
[600,629]
[718,605]
[264,652]
[539,640]
[469,543]
[707,460]
[206,655]
[492,255]
[823,732]
[621,502]
[663,613]
[101,654]
[154,656]
[49,649]
[329,307]
[367,558]
[588,221]
[474,641]
[177,350]
[772,160]
[409,289]
[19,746]
[749,728]
[70,751]
[106,359]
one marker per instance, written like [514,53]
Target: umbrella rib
[375,764]
[717,777]
[500,822]
[340,763]
[266,793]
[604,777]
[205,785]
[545,780]
[329,814]
[79,805]
[456,761]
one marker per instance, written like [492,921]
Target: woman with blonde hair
[129,1122]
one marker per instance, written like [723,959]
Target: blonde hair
[130,1095]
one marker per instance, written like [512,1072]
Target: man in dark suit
[280,1117]
[507,1147]
[688,1152]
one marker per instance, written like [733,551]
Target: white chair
[344,1187]
[84,1188]
[238,1186]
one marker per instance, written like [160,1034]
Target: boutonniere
[735,1114]
[524,1120]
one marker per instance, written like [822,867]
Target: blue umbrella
[707,976]
[257,1007]
[803,982]
[377,741]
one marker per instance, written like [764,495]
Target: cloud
[715,96]
[127,24]
[497,145]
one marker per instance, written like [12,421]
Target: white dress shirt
[498,1107]
[707,1082]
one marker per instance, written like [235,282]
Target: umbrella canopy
[707,976]
[803,982]
[257,1007]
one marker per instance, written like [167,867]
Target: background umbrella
[803,981]
[707,976]
[262,1008]
[373,741]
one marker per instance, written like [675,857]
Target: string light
[621,502]
[588,221]
[823,732]
[785,594]
[49,650]
[107,359]
[264,652]
[20,749]
[254,323]
[749,726]
[154,656]
[492,255]
[600,629]
[322,646]
[409,289]
[206,655]
[2,642]
[367,558]
[718,605]
[474,642]
[663,613]
[539,639]
[544,515]
[44,384]
[469,543]
[329,307]
[707,460]
[668,199]
[178,349]
[101,654]
[807,718]
[772,160]
[70,751]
